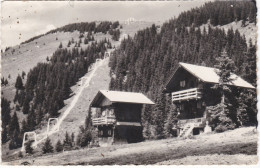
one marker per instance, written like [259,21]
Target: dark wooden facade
[191,89]
[117,122]
[191,96]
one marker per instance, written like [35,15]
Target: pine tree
[31,120]
[23,74]
[223,116]
[6,82]
[19,83]
[17,107]
[26,105]
[47,147]
[67,142]
[14,125]
[69,43]
[170,121]
[85,136]
[159,117]
[59,146]
[249,64]
[16,140]
[72,138]
[28,147]
[246,110]
[81,35]
[60,46]
[2,81]
[85,41]
[147,130]
[4,134]
[39,115]
[5,111]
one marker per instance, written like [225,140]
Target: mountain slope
[77,115]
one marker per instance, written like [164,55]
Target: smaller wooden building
[117,116]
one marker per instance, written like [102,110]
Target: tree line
[82,27]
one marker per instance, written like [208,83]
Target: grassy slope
[28,56]
[239,142]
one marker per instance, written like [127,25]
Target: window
[103,113]
[182,83]
[109,132]
[111,112]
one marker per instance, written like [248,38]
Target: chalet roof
[207,74]
[124,97]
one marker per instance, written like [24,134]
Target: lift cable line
[56,127]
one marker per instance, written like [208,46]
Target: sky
[22,20]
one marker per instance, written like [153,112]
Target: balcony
[198,122]
[109,120]
[187,94]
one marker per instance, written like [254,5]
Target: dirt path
[76,97]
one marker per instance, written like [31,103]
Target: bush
[20,155]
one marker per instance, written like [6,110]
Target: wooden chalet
[190,89]
[117,116]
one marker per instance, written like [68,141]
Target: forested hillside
[48,84]
[219,13]
[145,62]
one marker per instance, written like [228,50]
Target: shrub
[20,155]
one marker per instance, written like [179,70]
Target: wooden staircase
[187,130]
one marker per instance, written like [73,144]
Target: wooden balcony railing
[187,94]
[196,121]
[104,120]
